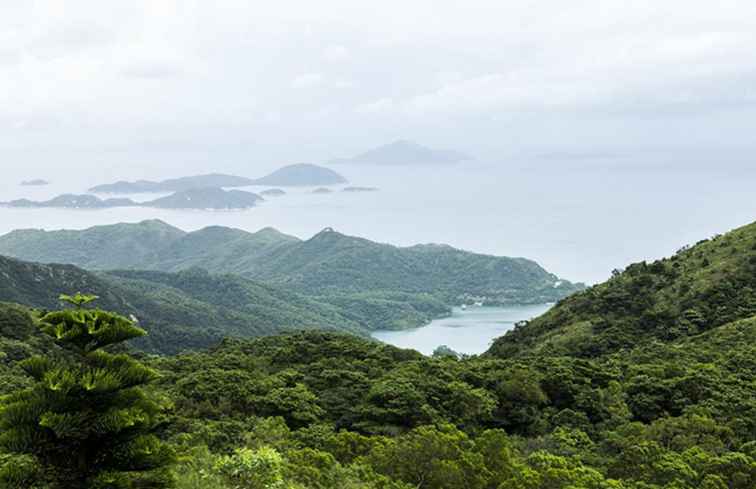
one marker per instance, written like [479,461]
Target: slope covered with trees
[192,309]
[328,263]
[699,288]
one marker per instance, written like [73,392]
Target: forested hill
[329,262]
[698,289]
[188,310]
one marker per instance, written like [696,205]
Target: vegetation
[700,288]
[318,409]
[194,309]
[85,419]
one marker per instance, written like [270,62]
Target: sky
[155,86]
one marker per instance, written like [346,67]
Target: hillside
[173,184]
[328,263]
[332,262]
[699,288]
[405,153]
[192,309]
[301,175]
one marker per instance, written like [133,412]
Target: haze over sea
[578,216]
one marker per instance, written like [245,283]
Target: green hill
[97,248]
[701,287]
[328,263]
[192,309]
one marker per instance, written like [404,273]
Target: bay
[467,331]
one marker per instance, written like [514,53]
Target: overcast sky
[266,83]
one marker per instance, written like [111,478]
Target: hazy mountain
[35,183]
[405,152]
[206,198]
[172,185]
[359,189]
[328,263]
[195,198]
[699,288]
[71,201]
[301,175]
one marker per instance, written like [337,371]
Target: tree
[86,419]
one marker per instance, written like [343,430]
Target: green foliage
[646,382]
[85,419]
[700,288]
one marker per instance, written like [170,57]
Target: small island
[37,182]
[172,185]
[273,192]
[359,189]
[322,190]
[301,175]
[405,153]
[197,198]
[207,198]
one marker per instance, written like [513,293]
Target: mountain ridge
[329,262]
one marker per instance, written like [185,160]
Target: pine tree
[86,419]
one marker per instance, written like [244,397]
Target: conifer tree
[86,419]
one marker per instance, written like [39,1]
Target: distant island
[405,153]
[301,175]
[273,192]
[71,201]
[172,185]
[360,189]
[37,182]
[196,198]
[322,190]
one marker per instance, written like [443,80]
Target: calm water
[577,218]
[470,331]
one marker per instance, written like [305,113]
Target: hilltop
[405,153]
[699,288]
[328,263]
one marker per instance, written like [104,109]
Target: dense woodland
[644,382]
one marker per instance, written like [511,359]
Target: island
[72,201]
[172,185]
[37,182]
[405,153]
[207,198]
[197,198]
[301,175]
[359,189]
[322,190]
[273,192]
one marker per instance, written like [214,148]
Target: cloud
[466,68]
[335,53]
[308,80]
